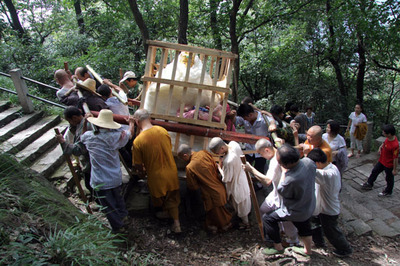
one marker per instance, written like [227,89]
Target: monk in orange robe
[315,140]
[202,173]
[152,153]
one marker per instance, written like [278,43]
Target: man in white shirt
[272,202]
[328,183]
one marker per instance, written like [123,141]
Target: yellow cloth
[325,148]
[361,131]
[153,149]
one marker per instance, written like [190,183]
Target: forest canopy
[328,54]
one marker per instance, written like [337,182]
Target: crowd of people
[296,168]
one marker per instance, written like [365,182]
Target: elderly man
[234,178]
[202,173]
[315,140]
[152,153]
[273,176]
[297,191]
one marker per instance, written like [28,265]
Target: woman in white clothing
[337,144]
[355,118]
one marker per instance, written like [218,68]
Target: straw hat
[89,85]
[128,75]
[104,120]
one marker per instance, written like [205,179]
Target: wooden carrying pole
[76,178]
[254,200]
[99,79]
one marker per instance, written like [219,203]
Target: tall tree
[183,21]
[140,22]
[79,16]
[15,23]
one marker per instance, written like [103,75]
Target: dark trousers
[259,162]
[113,206]
[379,168]
[329,225]
[271,227]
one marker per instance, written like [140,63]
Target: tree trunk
[214,24]
[183,21]
[16,24]
[333,56]
[361,68]
[140,23]
[79,17]
[234,47]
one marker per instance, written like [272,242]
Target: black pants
[379,168]
[332,232]
[259,162]
[271,227]
[113,206]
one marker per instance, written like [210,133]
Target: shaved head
[314,135]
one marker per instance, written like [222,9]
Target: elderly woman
[338,145]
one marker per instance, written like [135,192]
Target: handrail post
[368,138]
[22,90]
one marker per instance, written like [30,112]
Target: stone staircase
[363,212]
[30,139]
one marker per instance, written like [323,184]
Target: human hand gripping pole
[75,177]
[254,199]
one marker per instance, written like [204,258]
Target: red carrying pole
[196,130]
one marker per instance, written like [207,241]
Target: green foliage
[40,227]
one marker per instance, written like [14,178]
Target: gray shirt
[298,192]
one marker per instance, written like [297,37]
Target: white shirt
[355,120]
[274,173]
[337,143]
[328,185]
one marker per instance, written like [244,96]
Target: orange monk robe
[325,148]
[202,173]
[153,149]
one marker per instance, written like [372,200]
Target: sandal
[350,155]
[300,251]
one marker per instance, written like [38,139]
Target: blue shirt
[258,128]
[103,150]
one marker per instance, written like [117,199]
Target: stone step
[27,136]
[49,162]
[382,228]
[41,145]
[348,200]
[9,115]
[18,125]
[4,105]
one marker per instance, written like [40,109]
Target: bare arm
[259,176]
